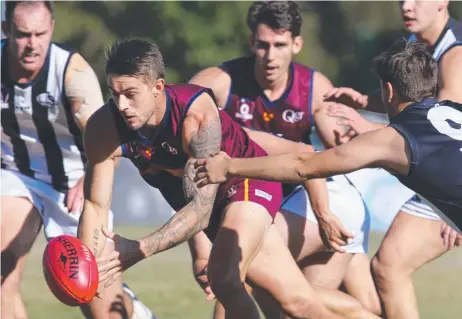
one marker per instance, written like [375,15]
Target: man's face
[419,15]
[274,50]
[134,97]
[29,36]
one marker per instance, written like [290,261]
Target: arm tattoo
[95,241]
[192,218]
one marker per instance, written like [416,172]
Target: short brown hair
[135,57]
[410,68]
[11,6]
[276,14]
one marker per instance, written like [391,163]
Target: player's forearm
[319,196]
[90,226]
[271,168]
[199,246]
[186,223]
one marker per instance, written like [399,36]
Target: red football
[70,270]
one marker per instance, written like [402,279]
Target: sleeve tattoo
[192,218]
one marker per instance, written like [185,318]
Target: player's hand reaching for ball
[212,170]
[347,96]
[200,274]
[126,253]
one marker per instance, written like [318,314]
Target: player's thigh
[110,301]
[275,271]
[411,242]
[300,235]
[326,269]
[20,224]
[239,238]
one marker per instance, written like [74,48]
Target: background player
[430,23]
[48,93]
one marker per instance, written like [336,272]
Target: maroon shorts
[267,194]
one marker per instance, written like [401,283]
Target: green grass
[165,284]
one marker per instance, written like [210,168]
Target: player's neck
[19,75]
[273,89]
[432,33]
[156,118]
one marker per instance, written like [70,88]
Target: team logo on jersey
[232,191]
[145,151]
[291,116]
[46,99]
[172,150]
[268,116]
[244,111]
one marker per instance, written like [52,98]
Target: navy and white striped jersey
[449,38]
[39,135]
[433,131]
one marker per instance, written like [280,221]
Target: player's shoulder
[100,134]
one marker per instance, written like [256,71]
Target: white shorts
[49,203]
[345,202]
[384,195]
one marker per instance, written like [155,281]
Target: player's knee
[382,270]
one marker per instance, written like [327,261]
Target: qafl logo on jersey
[291,116]
[47,100]
[244,111]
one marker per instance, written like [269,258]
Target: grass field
[165,284]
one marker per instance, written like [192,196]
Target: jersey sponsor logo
[172,150]
[46,100]
[22,102]
[291,116]
[244,111]
[268,116]
[263,194]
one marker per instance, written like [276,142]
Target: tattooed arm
[201,138]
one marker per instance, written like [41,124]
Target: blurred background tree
[340,37]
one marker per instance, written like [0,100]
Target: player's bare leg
[238,240]
[275,271]
[410,243]
[358,282]
[20,225]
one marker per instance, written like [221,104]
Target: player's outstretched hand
[451,237]
[74,198]
[212,170]
[200,274]
[350,117]
[347,96]
[126,253]
[333,233]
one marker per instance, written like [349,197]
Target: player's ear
[158,86]
[443,5]
[390,92]
[298,44]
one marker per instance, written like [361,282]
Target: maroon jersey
[161,159]
[290,116]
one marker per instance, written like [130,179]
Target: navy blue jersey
[433,131]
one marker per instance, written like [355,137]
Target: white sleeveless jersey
[449,38]
[39,135]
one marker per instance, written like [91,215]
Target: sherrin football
[70,270]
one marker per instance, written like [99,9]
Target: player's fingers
[108,274]
[452,238]
[200,162]
[109,234]
[200,176]
[336,247]
[346,233]
[70,198]
[203,183]
[210,297]
[112,279]
[109,266]
[330,93]
[458,239]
